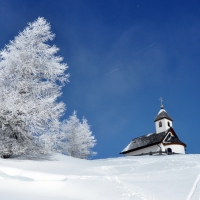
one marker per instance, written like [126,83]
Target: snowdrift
[174,177]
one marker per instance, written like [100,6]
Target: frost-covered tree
[87,140]
[31,78]
[67,138]
[76,138]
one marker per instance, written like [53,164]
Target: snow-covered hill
[175,177]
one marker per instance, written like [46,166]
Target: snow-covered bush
[31,78]
[76,138]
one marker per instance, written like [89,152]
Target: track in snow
[195,190]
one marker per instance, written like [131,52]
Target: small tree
[29,76]
[76,139]
[87,140]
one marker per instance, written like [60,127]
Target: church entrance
[169,151]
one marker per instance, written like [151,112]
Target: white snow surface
[161,110]
[172,177]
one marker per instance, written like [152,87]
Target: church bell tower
[162,121]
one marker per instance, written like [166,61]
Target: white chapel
[163,141]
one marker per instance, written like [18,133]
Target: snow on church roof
[150,140]
[162,114]
[146,140]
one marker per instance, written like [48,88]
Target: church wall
[145,150]
[176,148]
[164,125]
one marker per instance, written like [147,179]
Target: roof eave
[143,147]
[175,143]
[155,120]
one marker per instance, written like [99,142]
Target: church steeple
[161,104]
[162,121]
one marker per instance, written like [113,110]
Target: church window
[169,151]
[160,124]
[168,124]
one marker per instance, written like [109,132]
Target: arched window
[160,124]
[169,151]
[168,124]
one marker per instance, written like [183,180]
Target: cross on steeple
[161,100]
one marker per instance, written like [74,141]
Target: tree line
[31,78]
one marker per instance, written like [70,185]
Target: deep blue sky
[122,56]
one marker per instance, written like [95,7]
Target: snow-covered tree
[31,78]
[67,139]
[76,138]
[87,140]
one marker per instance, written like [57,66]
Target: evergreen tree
[31,78]
[87,140]
[76,139]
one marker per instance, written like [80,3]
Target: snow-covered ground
[175,177]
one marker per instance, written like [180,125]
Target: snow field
[174,177]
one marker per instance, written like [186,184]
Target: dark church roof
[145,141]
[152,139]
[161,115]
[173,139]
